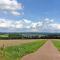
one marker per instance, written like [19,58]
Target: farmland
[17,51]
[13,46]
[14,42]
[56,44]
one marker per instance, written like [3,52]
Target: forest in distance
[29,35]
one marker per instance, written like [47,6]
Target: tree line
[29,36]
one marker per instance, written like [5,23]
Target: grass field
[57,43]
[14,42]
[18,51]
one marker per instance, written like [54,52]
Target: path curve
[46,52]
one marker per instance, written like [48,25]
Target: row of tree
[31,36]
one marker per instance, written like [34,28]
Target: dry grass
[6,43]
[18,51]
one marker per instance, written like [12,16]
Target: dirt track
[46,52]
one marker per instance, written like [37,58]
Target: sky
[30,16]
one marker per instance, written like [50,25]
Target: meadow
[16,52]
[56,43]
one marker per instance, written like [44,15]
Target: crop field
[15,49]
[14,42]
[56,43]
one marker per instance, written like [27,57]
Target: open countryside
[32,46]
[18,51]
[29,29]
[41,49]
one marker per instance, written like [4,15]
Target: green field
[56,44]
[17,52]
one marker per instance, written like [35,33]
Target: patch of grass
[16,52]
[57,44]
[3,35]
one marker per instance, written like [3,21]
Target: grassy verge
[57,44]
[16,52]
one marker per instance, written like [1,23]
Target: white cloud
[15,13]
[27,21]
[10,6]
[56,26]
[28,25]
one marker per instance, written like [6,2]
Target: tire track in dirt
[46,52]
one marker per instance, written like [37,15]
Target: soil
[47,52]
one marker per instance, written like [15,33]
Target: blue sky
[30,15]
[42,8]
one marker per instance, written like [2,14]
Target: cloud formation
[46,25]
[11,6]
